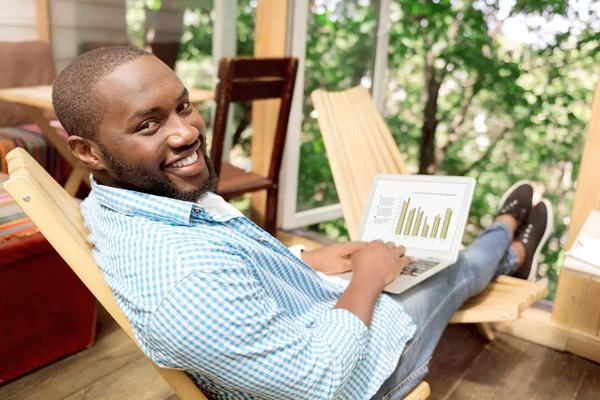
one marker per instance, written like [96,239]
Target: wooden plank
[590,383]
[539,373]
[37,96]
[587,318]
[568,297]
[486,313]
[584,345]
[481,379]
[270,41]
[535,326]
[458,348]
[43,21]
[136,380]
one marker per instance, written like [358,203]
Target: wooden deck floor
[464,366]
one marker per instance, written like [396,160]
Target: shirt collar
[134,203]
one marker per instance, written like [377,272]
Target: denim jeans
[432,303]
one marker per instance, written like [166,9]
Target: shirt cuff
[297,250]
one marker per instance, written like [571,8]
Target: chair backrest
[57,216]
[247,79]
[359,146]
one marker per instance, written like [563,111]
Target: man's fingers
[407,260]
[400,251]
[391,245]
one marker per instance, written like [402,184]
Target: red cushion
[13,221]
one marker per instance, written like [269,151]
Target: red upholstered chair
[46,312]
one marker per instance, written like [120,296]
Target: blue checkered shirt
[216,296]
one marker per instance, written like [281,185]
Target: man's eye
[145,126]
[183,106]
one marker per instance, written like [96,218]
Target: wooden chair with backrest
[350,125]
[58,218]
[243,79]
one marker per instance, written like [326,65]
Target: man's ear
[87,152]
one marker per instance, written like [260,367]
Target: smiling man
[207,291]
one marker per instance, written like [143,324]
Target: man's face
[151,138]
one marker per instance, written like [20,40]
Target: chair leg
[271,212]
[485,328]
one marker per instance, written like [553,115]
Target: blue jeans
[433,302]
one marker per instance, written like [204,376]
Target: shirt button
[262,240]
[197,210]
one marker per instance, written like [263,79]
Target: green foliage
[507,109]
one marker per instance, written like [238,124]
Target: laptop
[426,214]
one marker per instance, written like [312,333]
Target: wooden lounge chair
[57,216]
[359,146]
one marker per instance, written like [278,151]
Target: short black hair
[76,102]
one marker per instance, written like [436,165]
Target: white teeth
[186,161]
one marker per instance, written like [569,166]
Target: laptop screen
[423,215]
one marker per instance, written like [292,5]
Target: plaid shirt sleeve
[246,341]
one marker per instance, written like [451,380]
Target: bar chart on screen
[415,214]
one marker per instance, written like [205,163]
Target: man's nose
[181,133]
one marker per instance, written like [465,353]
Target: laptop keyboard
[418,267]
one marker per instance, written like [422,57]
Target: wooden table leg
[78,175]
[79,172]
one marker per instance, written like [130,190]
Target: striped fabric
[30,138]
[218,297]
[13,221]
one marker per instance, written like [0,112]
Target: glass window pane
[339,55]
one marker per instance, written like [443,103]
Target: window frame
[288,214]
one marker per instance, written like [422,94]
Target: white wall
[17,20]
[78,21]
[72,21]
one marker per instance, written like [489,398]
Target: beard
[141,180]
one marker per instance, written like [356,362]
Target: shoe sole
[549,227]
[512,189]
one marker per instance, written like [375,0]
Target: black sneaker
[534,235]
[517,201]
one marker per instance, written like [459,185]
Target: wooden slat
[470,314]
[235,181]
[251,90]
[276,68]
[351,126]
[270,33]
[43,20]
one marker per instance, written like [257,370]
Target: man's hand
[381,262]
[373,267]
[333,259]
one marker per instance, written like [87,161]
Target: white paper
[589,252]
